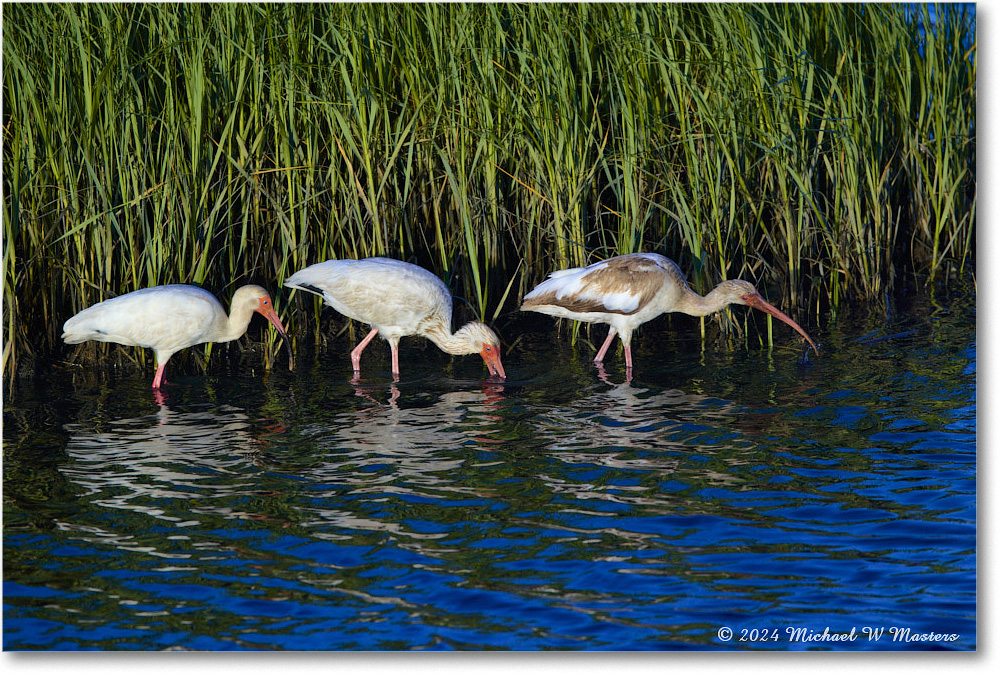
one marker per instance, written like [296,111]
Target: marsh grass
[819,150]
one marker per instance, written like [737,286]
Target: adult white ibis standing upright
[170,318]
[396,299]
[629,290]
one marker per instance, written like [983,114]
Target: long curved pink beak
[266,309]
[763,305]
[491,357]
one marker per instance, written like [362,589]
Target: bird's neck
[235,325]
[459,342]
[702,305]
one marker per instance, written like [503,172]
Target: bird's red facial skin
[267,310]
[491,357]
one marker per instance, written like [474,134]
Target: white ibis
[629,290]
[170,318]
[396,299]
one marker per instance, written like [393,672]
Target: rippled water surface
[722,488]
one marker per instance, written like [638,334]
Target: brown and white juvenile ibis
[629,290]
[396,299]
[169,318]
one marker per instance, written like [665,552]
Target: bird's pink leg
[356,354]
[628,357]
[158,379]
[604,348]
[395,359]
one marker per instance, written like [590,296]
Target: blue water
[724,488]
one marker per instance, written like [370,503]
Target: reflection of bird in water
[493,392]
[414,445]
[638,428]
[421,453]
[368,392]
[135,463]
[603,376]
[622,445]
[186,468]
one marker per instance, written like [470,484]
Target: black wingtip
[308,287]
